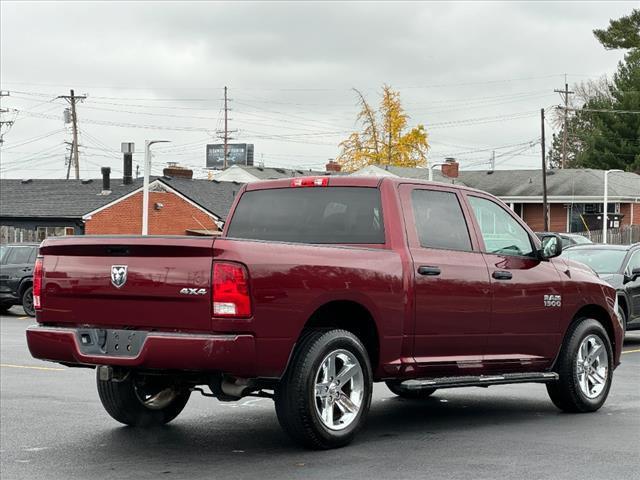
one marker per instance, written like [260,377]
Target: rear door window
[323,215]
[439,220]
[18,255]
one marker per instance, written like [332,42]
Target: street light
[145,185]
[605,214]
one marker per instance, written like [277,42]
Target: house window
[579,214]
[44,232]
[597,207]
[518,209]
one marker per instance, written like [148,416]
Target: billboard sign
[237,154]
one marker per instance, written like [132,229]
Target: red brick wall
[625,209]
[532,215]
[125,217]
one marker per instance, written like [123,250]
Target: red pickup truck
[319,287]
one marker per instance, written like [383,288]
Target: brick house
[31,210]
[575,196]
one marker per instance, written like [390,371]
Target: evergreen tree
[602,133]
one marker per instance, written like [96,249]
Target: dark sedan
[620,266]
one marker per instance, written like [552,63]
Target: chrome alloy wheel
[339,389]
[592,366]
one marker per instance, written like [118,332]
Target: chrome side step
[480,381]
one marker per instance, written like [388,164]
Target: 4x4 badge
[118,275]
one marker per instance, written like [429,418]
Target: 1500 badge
[193,291]
[553,300]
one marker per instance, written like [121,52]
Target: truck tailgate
[157,283]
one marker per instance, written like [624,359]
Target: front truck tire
[324,397]
[140,401]
[585,368]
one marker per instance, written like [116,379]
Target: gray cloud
[289,67]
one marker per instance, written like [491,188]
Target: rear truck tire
[403,392]
[324,397]
[142,401]
[585,368]
[27,302]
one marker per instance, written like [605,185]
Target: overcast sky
[474,73]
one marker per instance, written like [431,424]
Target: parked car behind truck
[16,269]
[319,287]
[619,265]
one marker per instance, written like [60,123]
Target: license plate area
[110,342]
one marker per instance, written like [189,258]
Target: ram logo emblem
[118,275]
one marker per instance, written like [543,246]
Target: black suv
[16,276]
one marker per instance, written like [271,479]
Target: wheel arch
[623,302]
[599,314]
[353,317]
[24,284]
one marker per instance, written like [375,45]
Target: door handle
[502,275]
[429,270]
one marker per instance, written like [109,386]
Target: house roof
[407,172]
[214,196]
[56,198]
[271,173]
[252,173]
[567,182]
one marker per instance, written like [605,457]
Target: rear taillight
[230,290]
[37,283]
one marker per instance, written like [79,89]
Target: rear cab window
[317,215]
[439,220]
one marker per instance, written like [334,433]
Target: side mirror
[635,274]
[551,246]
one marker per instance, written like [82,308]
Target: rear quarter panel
[289,282]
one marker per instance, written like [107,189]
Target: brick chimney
[333,166]
[450,168]
[177,171]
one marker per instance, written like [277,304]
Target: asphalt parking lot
[53,426]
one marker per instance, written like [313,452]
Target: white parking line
[31,367]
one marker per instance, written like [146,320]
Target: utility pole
[73,99]
[226,130]
[225,133]
[3,123]
[565,97]
[493,160]
[545,210]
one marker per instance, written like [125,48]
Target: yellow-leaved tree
[384,139]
